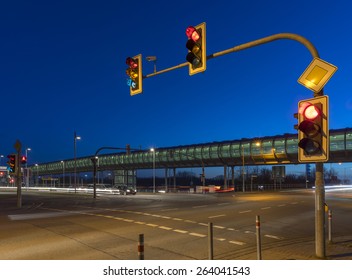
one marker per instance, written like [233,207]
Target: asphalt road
[175,226]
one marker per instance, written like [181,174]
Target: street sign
[317,74]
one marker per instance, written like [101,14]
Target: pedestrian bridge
[271,150]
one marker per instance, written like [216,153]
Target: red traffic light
[132,63]
[23,160]
[310,111]
[192,33]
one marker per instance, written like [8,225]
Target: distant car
[124,190]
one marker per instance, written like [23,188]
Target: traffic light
[313,131]
[134,72]
[196,45]
[12,163]
[23,159]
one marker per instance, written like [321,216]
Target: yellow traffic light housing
[196,45]
[12,163]
[313,130]
[134,71]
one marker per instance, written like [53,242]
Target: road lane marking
[219,239]
[220,227]
[273,236]
[237,242]
[177,219]
[216,216]
[166,228]
[180,231]
[245,211]
[170,209]
[152,225]
[189,221]
[197,234]
[264,208]
[225,203]
[281,205]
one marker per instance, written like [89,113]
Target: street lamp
[27,174]
[37,179]
[63,173]
[75,138]
[152,58]
[243,187]
[153,151]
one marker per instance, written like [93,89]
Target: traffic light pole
[319,211]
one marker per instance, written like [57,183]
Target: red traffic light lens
[131,62]
[311,112]
[192,33]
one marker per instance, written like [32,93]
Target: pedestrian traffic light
[23,159]
[313,131]
[12,163]
[196,46]
[134,72]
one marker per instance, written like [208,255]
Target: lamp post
[75,138]
[37,179]
[27,175]
[153,151]
[63,173]
[152,58]
[243,186]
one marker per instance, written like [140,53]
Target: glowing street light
[153,151]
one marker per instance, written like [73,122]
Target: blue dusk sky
[62,69]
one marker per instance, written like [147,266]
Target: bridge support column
[166,177]
[225,177]
[233,177]
[174,179]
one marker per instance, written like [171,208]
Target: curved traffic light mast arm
[248,45]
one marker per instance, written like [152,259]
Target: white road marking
[264,208]
[197,234]
[180,231]
[237,242]
[220,239]
[166,228]
[246,211]
[152,225]
[273,236]
[221,227]
[216,216]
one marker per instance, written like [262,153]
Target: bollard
[141,247]
[330,226]
[210,241]
[259,243]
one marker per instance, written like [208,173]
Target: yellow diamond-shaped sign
[317,74]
